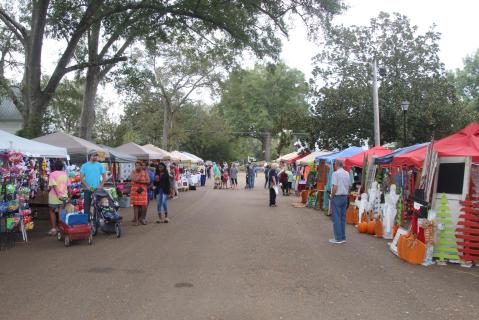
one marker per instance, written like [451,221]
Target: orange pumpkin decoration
[304,196]
[355,215]
[371,227]
[378,228]
[411,250]
[352,215]
[363,227]
[364,217]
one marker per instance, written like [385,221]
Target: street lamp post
[404,107]
[377,135]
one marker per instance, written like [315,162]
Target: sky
[457,21]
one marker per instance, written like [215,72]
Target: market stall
[388,158]
[165,154]
[77,148]
[182,158]
[287,157]
[192,156]
[310,172]
[24,169]
[139,152]
[325,164]
[31,148]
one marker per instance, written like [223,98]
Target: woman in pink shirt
[58,183]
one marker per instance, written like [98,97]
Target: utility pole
[377,139]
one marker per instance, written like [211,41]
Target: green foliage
[412,71]
[64,111]
[204,133]
[466,82]
[269,98]
[142,121]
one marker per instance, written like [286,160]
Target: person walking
[92,177]
[173,183]
[283,179]
[176,183]
[251,174]
[266,172]
[58,183]
[339,200]
[139,193]
[162,184]
[290,181]
[234,176]
[273,184]
[202,171]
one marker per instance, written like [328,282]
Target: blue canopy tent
[349,152]
[389,157]
[330,158]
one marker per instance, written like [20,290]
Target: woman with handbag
[162,184]
[139,193]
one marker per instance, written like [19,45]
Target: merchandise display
[21,178]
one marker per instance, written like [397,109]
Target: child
[225,178]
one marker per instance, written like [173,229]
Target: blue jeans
[162,202]
[339,205]
[251,181]
[87,202]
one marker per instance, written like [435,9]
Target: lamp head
[405,105]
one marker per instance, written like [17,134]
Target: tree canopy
[246,24]
[411,70]
[267,99]
[466,81]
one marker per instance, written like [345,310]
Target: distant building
[10,118]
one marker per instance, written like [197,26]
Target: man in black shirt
[273,184]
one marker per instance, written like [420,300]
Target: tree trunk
[87,118]
[166,127]
[267,146]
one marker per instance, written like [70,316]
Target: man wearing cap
[92,176]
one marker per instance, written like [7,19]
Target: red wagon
[69,233]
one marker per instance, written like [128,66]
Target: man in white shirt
[339,201]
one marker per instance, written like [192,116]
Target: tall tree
[249,24]
[411,70]
[266,100]
[173,75]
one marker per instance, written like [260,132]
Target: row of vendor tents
[62,145]
[464,143]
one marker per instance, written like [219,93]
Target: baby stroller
[106,216]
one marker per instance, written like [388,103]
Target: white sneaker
[334,241]
[342,241]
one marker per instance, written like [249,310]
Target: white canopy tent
[311,157]
[182,157]
[77,148]
[198,159]
[30,148]
[166,155]
[138,151]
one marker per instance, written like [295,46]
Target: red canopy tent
[464,143]
[358,159]
[299,156]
